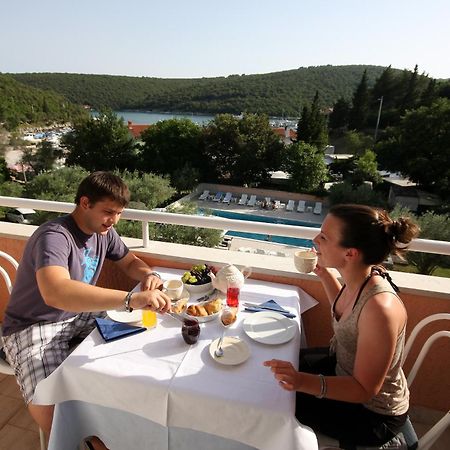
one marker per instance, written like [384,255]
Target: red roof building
[136,130]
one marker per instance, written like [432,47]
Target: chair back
[428,439]
[4,366]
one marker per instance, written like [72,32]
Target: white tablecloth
[156,377]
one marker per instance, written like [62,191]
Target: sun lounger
[318,208]
[301,206]
[243,199]
[252,201]
[290,205]
[227,198]
[218,197]
[204,196]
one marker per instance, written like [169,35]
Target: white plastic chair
[430,437]
[4,366]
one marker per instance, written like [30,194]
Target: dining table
[153,391]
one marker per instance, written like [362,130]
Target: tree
[419,147]
[148,189]
[58,185]
[307,167]
[339,116]
[360,106]
[201,237]
[100,143]
[356,143]
[4,172]
[366,169]
[240,151]
[311,127]
[432,226]
[411,97]
[44,158]
[362,195]
[170,145]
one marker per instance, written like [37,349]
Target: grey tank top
[393,397]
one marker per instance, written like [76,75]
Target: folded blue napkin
[110,330]
[270,305]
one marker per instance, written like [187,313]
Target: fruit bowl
[197,279]
[206,288]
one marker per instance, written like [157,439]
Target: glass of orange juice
[148,318]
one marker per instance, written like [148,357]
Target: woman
[356,391]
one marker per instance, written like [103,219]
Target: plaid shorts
[35,352]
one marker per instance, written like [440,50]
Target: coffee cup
[173,288]
[305,260]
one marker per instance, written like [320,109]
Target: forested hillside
[20,103]
[276,94]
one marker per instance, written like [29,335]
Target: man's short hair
[103,185]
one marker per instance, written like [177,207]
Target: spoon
[219,350]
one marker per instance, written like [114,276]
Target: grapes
[199,274]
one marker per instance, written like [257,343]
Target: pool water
[296,242]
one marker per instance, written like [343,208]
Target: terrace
[422,296]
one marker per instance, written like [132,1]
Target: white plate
[269,327]
[235,351]
[125,317]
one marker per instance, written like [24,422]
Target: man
[55,301]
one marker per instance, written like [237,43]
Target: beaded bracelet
[323,386]
[156,274]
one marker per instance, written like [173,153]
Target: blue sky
[179,39]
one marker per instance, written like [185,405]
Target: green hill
[276,94]
[20,103]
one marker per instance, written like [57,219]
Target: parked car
[21,215]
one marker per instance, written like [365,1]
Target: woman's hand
[288,378]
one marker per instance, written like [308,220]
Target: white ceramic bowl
[199,288]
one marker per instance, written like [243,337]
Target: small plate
[269,327]
[134,316]
[235,351]
[185,294]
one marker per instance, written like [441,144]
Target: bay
[148,118]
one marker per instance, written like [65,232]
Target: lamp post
[378,118]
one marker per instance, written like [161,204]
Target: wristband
[156,274]
[127,301]
[323,386]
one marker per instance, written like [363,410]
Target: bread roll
[229,316]
[179,306]
[213,306]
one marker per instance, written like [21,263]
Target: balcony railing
[146,217]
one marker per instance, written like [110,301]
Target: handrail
[419,245]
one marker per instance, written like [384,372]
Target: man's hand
[154,299]
[285,373]
[151,282]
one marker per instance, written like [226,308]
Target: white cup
[305,260]
[173,288]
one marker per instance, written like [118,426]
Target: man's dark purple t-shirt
[58,242]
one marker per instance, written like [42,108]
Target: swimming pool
[296,242]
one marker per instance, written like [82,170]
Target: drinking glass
[233,297]
[190,331]
[148,318]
